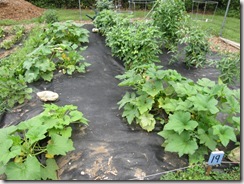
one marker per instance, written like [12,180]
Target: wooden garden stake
[209,168]
[214,159]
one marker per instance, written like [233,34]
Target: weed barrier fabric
[109,148]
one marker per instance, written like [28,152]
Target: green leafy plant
[38,65]
[68,31]
[188,111]
[2,32]
[229,67]
[60,42]
[28,150]
[69,59]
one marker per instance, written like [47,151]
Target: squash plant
[189,112]
[28,150]
[58,50]
[13,90]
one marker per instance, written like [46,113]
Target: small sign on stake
[214,159]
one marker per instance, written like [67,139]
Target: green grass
[213,26]
[198,172]
[231,29]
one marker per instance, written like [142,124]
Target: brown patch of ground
[18,10]
[218,45]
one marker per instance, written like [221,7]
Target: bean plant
[135,44]
[229,67]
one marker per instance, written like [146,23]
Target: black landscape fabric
[109,148]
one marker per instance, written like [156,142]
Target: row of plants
[17,32]
[29,149]
[56,47]
[187,112]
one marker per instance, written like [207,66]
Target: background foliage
[234,9]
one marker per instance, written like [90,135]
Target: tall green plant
[167,16]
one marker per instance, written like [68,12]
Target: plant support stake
[227,9]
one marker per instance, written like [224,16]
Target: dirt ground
[18,10]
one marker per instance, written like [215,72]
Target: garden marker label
[215,158]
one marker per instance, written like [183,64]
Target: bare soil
[19,10]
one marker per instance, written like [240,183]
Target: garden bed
[107,149]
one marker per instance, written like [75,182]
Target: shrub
[49,16]
[104,5]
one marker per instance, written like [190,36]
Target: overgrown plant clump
[188,111]
[49,16]
[28,150]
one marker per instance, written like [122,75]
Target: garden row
[17,33]
[187,111]
[29,149]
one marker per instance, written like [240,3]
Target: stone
[234,155]
[47,96]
